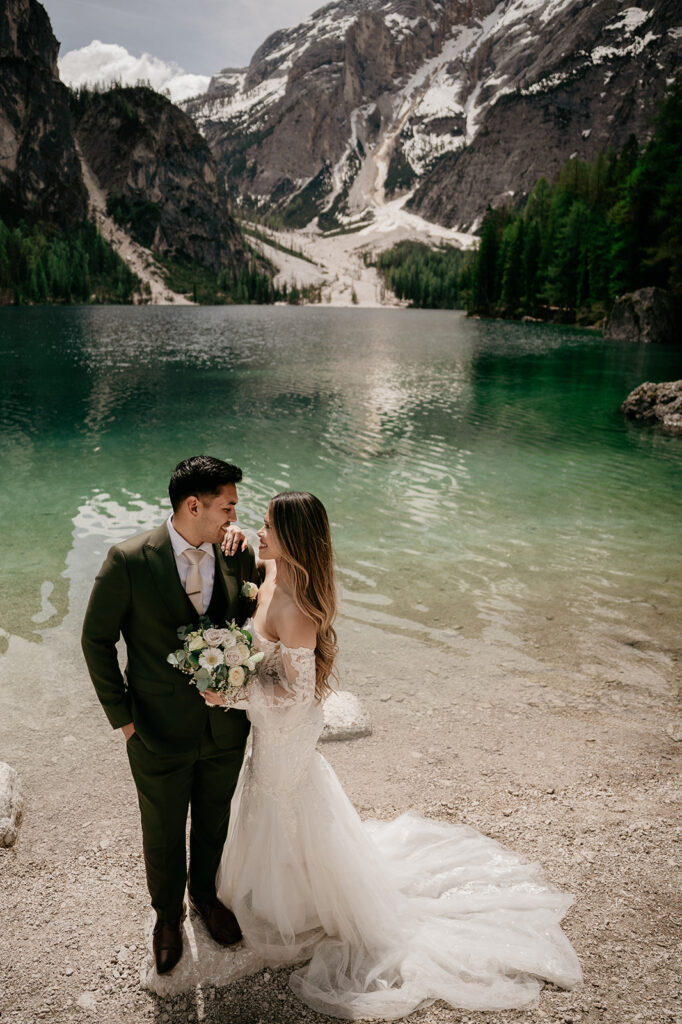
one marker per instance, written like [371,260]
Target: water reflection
[475,473]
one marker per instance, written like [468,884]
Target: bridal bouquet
[216,658]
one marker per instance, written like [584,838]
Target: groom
[182,754]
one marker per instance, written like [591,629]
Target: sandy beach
[541,754]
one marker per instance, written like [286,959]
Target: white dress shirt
[206,565]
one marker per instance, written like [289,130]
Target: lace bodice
[287,721]
[285,678]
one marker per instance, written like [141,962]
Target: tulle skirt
[386,917]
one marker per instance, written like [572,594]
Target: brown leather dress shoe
[167,944]
[220,921]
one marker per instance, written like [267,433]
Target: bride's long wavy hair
[300,522]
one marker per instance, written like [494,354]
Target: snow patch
[424,147]
[544,84]
[551,9]
[241,106]
[401,26]
[628,20]
[439,99]
[603,53]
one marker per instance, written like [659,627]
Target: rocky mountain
[40,175]
[158,175]
[451,104]
[61,155]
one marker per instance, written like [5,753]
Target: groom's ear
[193,505]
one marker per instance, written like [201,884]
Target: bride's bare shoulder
[294,628]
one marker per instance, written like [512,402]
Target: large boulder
[659,404]
[344,717]
[647,314]
[11,805]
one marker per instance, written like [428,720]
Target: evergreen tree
[603,228]
[486,290]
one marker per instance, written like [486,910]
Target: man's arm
[106,612]
[251,570]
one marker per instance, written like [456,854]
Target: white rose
[213,637]
[249,591]
[227,638]
[236,676]
[243,650]
[197,643]
[232,656]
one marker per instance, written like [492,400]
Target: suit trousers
[202,779]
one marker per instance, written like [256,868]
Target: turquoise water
[476,473]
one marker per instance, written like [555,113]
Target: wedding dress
[386,916]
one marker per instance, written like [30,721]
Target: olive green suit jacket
[138,594]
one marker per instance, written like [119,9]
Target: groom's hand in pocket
[128,730]
[234,540]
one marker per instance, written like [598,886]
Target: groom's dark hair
[202,474]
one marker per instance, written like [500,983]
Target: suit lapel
[160,558]
[225,573]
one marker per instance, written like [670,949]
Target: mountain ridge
[454,104]
[66,157]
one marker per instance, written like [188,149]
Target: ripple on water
[480,469]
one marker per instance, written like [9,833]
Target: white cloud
[102,63]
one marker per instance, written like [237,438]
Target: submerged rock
[659,404]
[344,718]
[11,805]
[647,314]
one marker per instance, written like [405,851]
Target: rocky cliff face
[40,174]
[159,176]
[461,103]
[142,149]
[595,74]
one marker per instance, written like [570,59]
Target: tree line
[252,283]
[603,228]
[40,264]
[428,278]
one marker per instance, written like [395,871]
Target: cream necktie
[194,584]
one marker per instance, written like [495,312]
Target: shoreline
[571,777]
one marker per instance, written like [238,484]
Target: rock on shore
[11,805]
[647,314]
[344,718]
[656,404]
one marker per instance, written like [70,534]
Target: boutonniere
[249,591]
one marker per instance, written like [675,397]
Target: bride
[384,916]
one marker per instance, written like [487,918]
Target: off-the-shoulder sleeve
[295,686]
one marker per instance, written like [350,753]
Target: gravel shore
[560,764]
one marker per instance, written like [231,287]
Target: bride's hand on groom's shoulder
[234,540]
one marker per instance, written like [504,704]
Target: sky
[176,44]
